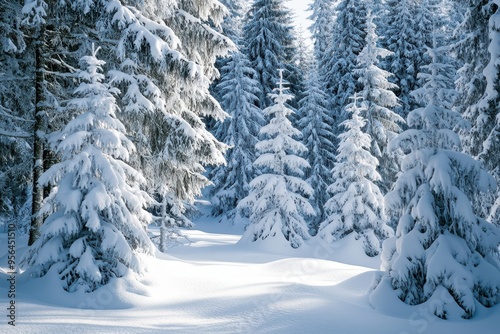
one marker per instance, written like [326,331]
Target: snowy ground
[215,285]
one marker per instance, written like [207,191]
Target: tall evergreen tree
[233,22]
[16,116]
[382,122]
[321,29]
[95,229]
[400,37]
[162,58]
[277,204]
[442,250]
[486,119]
[339,60]
[239,91]
[177,139]
[316,125]
[268,38]
[162,55]
[232,28]
[356,205]
[472,34]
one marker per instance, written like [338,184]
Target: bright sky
[301,13]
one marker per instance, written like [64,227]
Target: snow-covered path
[215,285]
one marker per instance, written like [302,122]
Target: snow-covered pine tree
[316,125]
[238,90]
[189,148]
[382,123]
[486,115]
[16,95]
[95,229]
[233,22]
[339,60]
[268,40]
[304,59]
[321,29]
[163,55]
[356,206]
[472,34]
[278,204]
[400,37]
[232,28]
[429,15]
[52,64]
[442,250]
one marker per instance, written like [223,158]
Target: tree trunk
[163,227]
[38,141]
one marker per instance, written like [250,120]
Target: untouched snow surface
[217,285]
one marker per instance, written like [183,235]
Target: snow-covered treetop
[435,124]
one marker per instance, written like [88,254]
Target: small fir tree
[356,206]
[278,204]
[95,225]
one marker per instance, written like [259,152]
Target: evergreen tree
[277,204]
[52,66]
[400,31]
[95,229]
[472,34]
[356,205]
[321,29]
[15,118]
[303,58]
[486,119]
[232,28]
[442,250]
[316,125]
[233,22]
[179,143]
[239,91]
[162,56]
[268,38]
[382,123]
[339,60]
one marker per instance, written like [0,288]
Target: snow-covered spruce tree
[429,19]
[238,90]
[165,105]
[399,31]
[232,28]
[486,120]
[16,96]
[304,58]
[48,47]
[162,55]
[356,206]
[316,125]
[321,29]
[268,40]
[278,204]
[442,250]
[348,39]
[95,229]
[232,24]
[382,123]
[472,34]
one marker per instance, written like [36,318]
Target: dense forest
[115,115]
